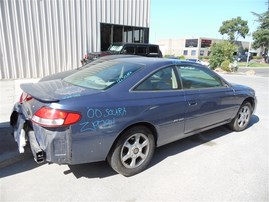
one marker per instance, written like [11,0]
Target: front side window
[193,77]
[103,75]
[164,79]
[129,50]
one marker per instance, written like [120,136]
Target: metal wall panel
[42,37]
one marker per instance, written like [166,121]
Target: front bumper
[52,145]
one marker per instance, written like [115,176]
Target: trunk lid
[55,90]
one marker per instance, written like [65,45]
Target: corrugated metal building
[42,37]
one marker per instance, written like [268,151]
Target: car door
[166,104]
[209,99]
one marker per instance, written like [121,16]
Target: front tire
[133,151]
[241,121]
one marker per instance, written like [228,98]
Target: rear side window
[153,49]
[141,50]
[103,75]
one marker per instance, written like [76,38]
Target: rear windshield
[103,75]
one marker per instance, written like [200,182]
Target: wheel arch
[145,124]
[252,102]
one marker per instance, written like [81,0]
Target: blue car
[121,109]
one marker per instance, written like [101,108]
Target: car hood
[55,90]
[238,87]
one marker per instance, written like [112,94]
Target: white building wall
[42,37]
[176,47]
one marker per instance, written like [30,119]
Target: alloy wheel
[135,150]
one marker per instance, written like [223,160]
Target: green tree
[234,28]
[261,35]
[220,52]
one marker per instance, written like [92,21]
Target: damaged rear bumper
[38,153]
[52,145]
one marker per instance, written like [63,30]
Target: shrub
[220,52]
[225,65]
[257,57]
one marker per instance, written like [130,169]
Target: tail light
[50,117]
[25,97]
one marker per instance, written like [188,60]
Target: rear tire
[133,151]
[241,121]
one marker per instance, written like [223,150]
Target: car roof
[157,62]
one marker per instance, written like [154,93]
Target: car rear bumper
[46,144]
[55,143]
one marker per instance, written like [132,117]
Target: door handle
[192,103]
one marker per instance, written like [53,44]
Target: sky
[200,18]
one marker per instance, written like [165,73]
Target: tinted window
[165,79]
[153,49]
[103,75]
[195,77]
[141,50]
[129,50]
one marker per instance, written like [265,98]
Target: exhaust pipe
[39,154]
[39,157]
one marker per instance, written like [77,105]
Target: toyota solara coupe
[121,109]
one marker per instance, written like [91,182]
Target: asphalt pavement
[9,153]
[259,71]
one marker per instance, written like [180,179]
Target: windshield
[116,48]
[103,75]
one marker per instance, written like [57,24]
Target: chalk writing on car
[124,77]
[102,118]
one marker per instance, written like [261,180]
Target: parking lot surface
[217,165]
